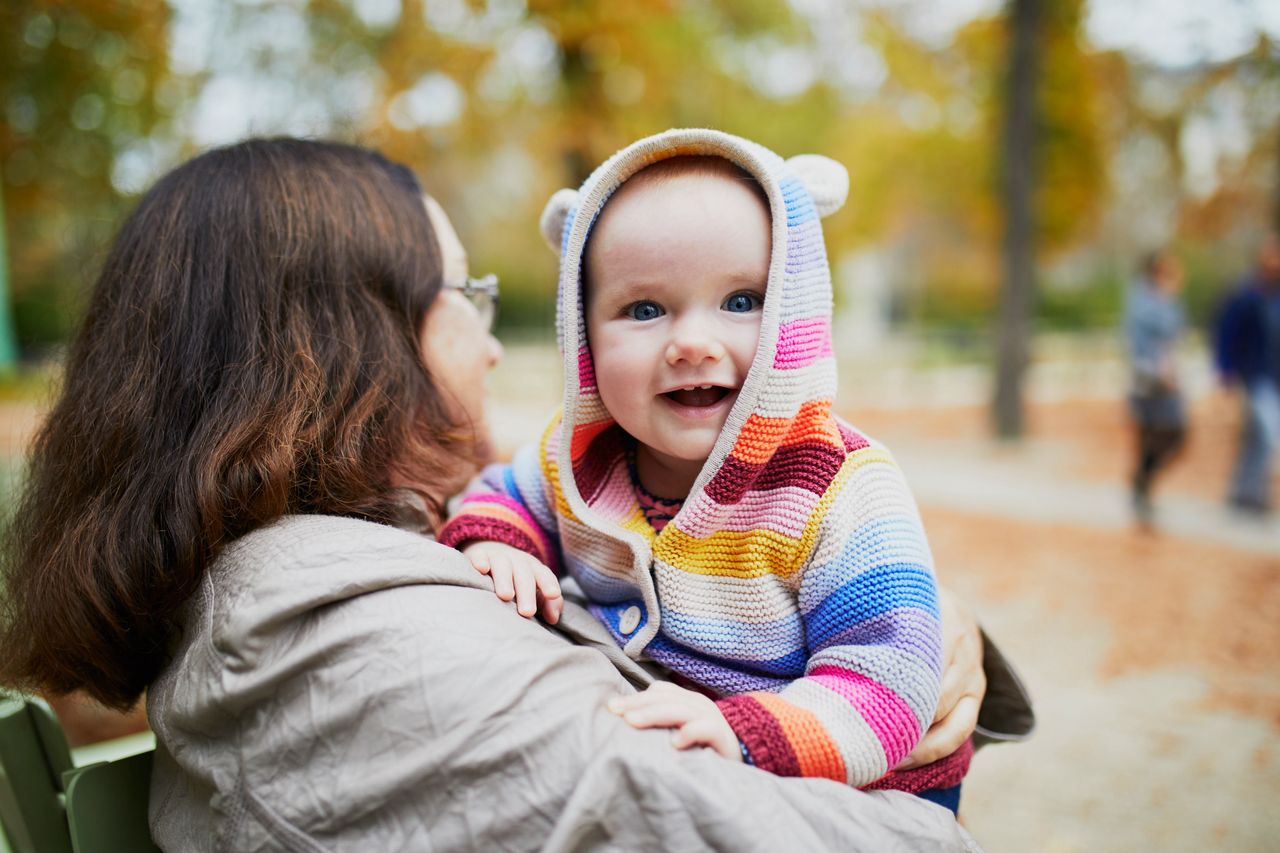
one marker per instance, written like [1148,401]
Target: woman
[1153,322]
[278,383]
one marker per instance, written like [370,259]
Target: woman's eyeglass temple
[482,292]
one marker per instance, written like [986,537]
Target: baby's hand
[518,575]
[696,719]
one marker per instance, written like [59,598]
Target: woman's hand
[963,685]
[518,575]
[696,719]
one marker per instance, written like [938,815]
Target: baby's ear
[825,179]
[553,215]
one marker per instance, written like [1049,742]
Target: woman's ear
[553,216]
[825,179]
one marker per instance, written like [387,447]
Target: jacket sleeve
[512,504]
[869,603]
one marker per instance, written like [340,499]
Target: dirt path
[1154,665]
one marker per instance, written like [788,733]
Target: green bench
[52,801]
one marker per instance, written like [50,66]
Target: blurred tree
[82,85]
[1018,150]
[1069,157]
[498,103]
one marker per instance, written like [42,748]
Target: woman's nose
[495,351]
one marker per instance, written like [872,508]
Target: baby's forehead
[686,168]
[673,211]
[666,187]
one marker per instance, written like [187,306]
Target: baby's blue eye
[644,310]
[741,303]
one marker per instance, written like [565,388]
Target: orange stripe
[501,513]
[583,434]
[814,750]
[760,437]
[814,421]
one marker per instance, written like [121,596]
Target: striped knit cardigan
[795,583]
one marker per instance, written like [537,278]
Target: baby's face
[676,273]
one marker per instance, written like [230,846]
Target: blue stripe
[799,204]
[509,483]
[729,639]
[726,675]
[884,540]
[908,629]
[566,228]
[598,586]
[871,593]
[611,616]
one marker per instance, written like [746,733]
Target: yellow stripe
[852,462]
[637,523]
[755,553]
[729,553]
[551,471]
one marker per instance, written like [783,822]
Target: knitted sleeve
[869,604]
[510,504]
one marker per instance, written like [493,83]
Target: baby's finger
[548,583]
[693,733]
[659,716]
[708,731]
[549,593]
[551,609]
[644,699]
[526,590]
[479,560]
[660,692]
[500,571]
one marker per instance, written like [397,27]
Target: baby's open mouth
[698,396]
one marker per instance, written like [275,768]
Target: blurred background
[1011,164]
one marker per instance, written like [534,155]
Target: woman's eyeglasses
[481,292]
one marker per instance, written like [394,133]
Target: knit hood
[780,447]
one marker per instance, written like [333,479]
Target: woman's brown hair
[250,350]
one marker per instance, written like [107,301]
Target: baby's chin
[688,450]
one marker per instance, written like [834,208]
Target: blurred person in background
[1248,353]
[1153,325]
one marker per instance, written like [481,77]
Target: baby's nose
[694,345]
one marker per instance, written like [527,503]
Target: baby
[720,519]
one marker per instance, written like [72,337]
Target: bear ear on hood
[825,179]
[553,216]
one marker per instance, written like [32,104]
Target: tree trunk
[1017,292]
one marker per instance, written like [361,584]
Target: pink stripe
[885,712]
[802,342]
[586,370]
[785,510]
[615,499]
[535,530]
